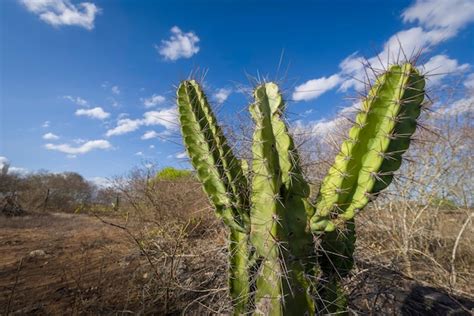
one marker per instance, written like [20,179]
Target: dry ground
[63,264]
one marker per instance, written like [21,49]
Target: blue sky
[87,86]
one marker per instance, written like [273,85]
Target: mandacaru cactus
[288,253]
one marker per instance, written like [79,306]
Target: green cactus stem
[278,216]
[373,151]
[274,265]
[222,177]
[365,166]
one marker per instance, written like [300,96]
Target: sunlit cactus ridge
[275,265]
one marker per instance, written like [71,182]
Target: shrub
[172,174]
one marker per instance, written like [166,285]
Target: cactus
[274,265]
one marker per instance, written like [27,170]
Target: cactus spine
[274,268]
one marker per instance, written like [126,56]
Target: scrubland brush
[275,267]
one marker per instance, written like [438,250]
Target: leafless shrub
[424,217]
[181,241]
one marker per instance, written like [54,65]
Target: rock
[39,253]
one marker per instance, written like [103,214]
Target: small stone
[39,253]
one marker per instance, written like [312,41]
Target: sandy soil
[61,264]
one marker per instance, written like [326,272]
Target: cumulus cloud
[95,113]
[18,170]
[4,164]
[179,45]
[101,182]
[153,100]
[404,43]
[149,135]
[46,124]
[469,82]
[50,136]
[328,126]
[221,95]
[7,168]
[79,150]
[314,88]
[77,100]
[63,12]
[182,155]
[440,66]
[442,14]
[438,21]
[124,126]
[166,118]
[459,107]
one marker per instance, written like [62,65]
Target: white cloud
[469,83]
[95,113]
[100,182]
[314,88]
[115,90]
[440,66]
[63,12]
[182,155]
[79,140]
[4,164]
[77,100]
[154,100]
[443,14]
[179,45]
[82,149]
[18,170]
[439,20]
[50,136]
[149,135]
[412,40]
[167,118]
[460,107]
[403,44]
[46,124]
[221,95]
[325,126]
[124,126]
[139,153]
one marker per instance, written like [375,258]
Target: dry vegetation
[152,245]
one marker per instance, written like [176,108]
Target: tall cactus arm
[380,135]
[217,167]
[296,210]
[266,208]
[278,215]
[364,167]
[223,181]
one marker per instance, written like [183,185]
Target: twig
[452,277]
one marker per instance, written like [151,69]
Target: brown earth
[63,264]
[70,264]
